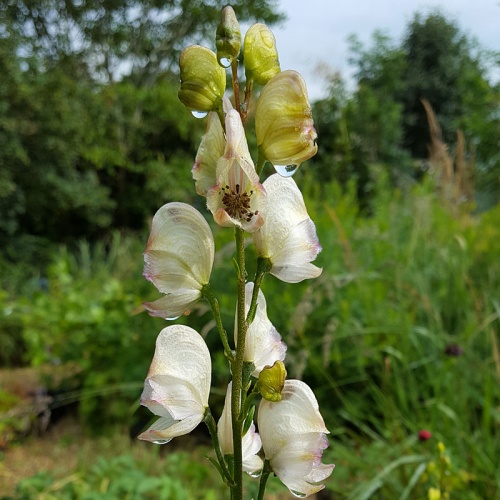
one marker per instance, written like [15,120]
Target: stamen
[237,205]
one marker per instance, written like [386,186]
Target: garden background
[400,334]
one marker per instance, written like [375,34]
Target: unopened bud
[203,81]
[283,123]
[260,54]
[228,37]
[272,381]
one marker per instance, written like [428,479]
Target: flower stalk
[237,366]
[179,256]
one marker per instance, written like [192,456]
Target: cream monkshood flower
[238,197]
[263,344]
[178,259]
[288,237]
[178,384]
[283,123]
[260,55]
[251,443]
[211,148]
[293,436]
[203,80]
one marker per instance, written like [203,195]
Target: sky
[315,34]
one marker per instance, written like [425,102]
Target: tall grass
[399,334]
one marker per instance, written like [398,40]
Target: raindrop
[172,318]
[286,170]
[225,62]
[199,114]
[161,441]
[254,474]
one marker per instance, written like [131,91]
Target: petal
[180,245]
[167,395]
[174,304]
[210,150]
[166,428]
[298,463]
[288,237]
[263,344]
[181,359]
[251,443]
[224,426]
[297,413]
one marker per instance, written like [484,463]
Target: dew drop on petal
[161,441]
[199,114]
[225,62]
[286,170]
[254,474]
[297,494]
[173,318]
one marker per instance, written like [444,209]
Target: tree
[91,130]
[140,37]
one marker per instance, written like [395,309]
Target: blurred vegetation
[399,334]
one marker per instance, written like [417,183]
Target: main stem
[237,399]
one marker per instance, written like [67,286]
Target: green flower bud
[260,54]
[228,37]
[203,81]
[271,381]
[283,123]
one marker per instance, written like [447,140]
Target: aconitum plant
[287,435]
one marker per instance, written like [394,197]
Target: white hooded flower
[293,437]
[288,237]
[251,443]
[238,197]
[263,344]
[178,383]
[178,259]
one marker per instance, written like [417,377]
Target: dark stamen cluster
[237,204]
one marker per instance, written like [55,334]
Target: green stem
[208,294]
[263,266]
[212,429]
[266,471]
[237,366]
[236,85]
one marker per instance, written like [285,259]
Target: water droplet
[199,114]
[254,474]
[173,318]
[161,441]
[286,170]
[225,62]
[297,494]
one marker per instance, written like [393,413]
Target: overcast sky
[316,31]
